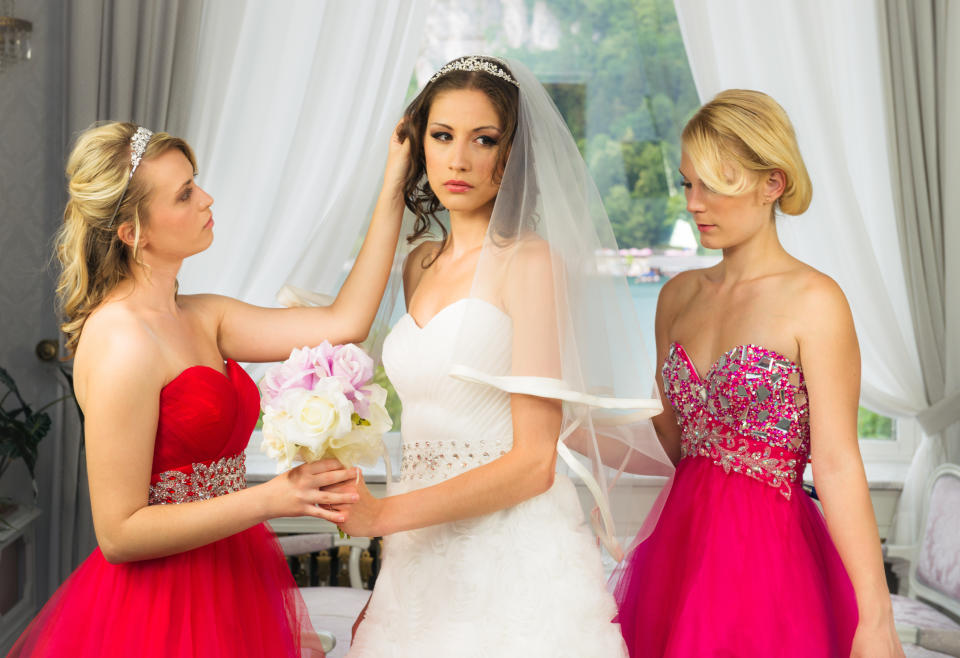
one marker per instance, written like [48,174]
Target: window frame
[897,450]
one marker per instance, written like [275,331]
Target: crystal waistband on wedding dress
[201,482]
[421,460]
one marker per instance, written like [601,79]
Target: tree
[620,78]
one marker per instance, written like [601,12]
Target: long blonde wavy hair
[740,134]
[92,257]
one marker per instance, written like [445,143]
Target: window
[618,72]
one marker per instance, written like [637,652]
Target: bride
[513,342]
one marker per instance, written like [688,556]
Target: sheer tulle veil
[576,337]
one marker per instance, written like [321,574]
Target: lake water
[645,301]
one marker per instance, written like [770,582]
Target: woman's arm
[253,333]
[830,357]
[120,379]
[668,431]
[526,471]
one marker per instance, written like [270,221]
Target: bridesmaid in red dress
[185,564]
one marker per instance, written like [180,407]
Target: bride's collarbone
[434,294]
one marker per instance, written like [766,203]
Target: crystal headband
[474,63]
[138,144]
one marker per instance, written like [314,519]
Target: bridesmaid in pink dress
[185,565]
[761,369]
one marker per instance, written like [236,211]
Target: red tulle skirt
[234,597]
[734,568]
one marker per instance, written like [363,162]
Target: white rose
[363,445]
[275,445]
[318,415]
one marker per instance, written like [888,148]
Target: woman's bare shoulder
[116,343]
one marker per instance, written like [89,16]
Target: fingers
[334,477]
[343,487]
[321,474]
[333,516]
[327,498]
[322,465]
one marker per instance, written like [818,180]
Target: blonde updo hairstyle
[740,135]
[92,256]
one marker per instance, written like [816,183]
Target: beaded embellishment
[749,414]
[474,63]
[203,481]
[425,460]
[138,144]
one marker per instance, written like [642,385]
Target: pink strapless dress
[234,597]
[740,562]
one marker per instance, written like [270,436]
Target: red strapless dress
[234,597]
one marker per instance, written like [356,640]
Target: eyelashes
[442,136]
[186,194]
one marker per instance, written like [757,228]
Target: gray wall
[31,204]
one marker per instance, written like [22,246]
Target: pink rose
[298,371]
[355,369]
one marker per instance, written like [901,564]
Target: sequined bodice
[749,413]
[204,424]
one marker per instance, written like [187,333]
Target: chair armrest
[900,551]
[907,634]
[939,639]
[300,544]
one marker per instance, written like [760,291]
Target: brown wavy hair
[93,259]
[418,196]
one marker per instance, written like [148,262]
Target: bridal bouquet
[321,403]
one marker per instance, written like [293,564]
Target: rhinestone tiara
[138,144]
[474,63]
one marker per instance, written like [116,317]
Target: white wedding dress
[524,581]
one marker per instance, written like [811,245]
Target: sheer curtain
[823,62]
[291,117]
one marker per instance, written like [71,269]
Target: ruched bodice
[204,416]
[449,425]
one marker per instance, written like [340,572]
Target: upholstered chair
[928,618]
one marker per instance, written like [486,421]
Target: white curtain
[822,61]
[291,117]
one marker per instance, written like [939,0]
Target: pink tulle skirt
[234,597]
[734,568]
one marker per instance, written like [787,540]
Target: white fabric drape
[822,61]
[291,120]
